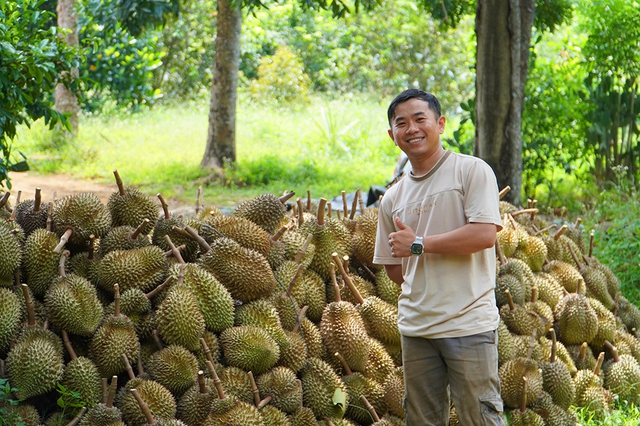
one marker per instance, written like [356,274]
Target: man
[436,231]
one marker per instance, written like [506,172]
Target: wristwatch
[417,248]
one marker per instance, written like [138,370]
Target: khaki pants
[465,368]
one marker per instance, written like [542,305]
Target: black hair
[408,94]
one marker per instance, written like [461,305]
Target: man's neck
[421,167]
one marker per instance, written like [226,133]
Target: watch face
[416,249]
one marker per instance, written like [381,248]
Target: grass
[325,147]
[623,414]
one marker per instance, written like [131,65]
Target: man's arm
[394,272]
[468,239]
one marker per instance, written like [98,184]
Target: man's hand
[401,240]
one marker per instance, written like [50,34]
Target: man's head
[408,94]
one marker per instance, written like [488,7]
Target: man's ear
[391,136]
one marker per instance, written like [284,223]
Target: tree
[221,138]
[65,100]
[32,59]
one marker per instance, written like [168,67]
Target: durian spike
[354,205]
[61,265]
[534,294]
[139,229]
[300,212]
[286,197]
[347,279]
[63,240]
[575,258]
[14,212]
[344,203]
[591,236]
[361,201]
[67,344]
[267,399]
[523,400]
[174,250]
[583,351]
[294,279]
[31,313]
[121,189]
[548,228]
[524,211]
[128,367]
[194,234]
[616,305]
[198,195]
[254,389]
[343,361]
[50,217]
[554,345]
[157,340]
[144,407]
[76,419]
[560,231]
[322,204]
[116,300]
[599,361]
[504,191]
[303,249]
[279,233]
[301,314]
[105,389]
[329,209]
[202,383]
[4,199]
[500,254]
[370,408]
[334,281]
[37,201]
[613,350]
[577,222]
[165,206]
[111,395]
[92,247]
[158,289]
[308,200]
[512,306]
[216,380]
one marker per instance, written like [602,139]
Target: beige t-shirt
[443,295]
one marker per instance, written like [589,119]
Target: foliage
[8,417]
[134,16]
[623,414]
[32,59]
[281,78]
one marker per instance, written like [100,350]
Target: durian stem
[532,342]
[165,207]
[339,215]
[344,203]
[169,253]
[334,281]
[216,380]
[560,231]
[31,313]
[202,383]
[198,195]
[524,211]
[140,366]
[267,399]
[583,351]
[500,253]
[143,407]
[194,234]
[158,289]
[112,392]
[119,183]
[295,279]
[300,212]
[67,344]
[523,399]
[347,279]
[345,263]
[548,228]
[354,205]
[512,306]
[16,276]
[322,204]
[591,237]
[275,237]
[301,314]
[361,201]
[76,419]
[328,422]
[299,383]
[92,247]
[575,258]
[105,389]
[554,344]
[303,249]
[534,294]
[50,217]
[504,191]
[613,350]
[4,199]
[174,250]
[254,389]
[37,202]
[370,408]
[344,363]
[139,229]
[533,214]
[329,209]
[367,270]
[2,369]
[599,361]
[181,274]
[127,366]
[14,212]
[156,339]
[61,263]
[116,300]
[286,197]
[513,222]
[308,200]
[616,305]
[577,222]
[63,240]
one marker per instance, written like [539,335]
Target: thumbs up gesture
[401,240]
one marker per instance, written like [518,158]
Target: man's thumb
[401,225]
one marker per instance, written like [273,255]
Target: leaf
[21,166]
[339,398]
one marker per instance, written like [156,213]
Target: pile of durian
[274,314]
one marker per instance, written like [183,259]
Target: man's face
[416,130]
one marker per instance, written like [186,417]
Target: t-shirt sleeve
[481,199]
[382,253]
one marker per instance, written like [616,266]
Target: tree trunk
[65,99]
[503,31]
[221,137]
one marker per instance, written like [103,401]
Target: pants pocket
[491,411]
